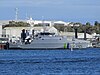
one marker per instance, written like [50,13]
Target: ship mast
[44,27]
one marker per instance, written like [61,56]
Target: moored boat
[48,40]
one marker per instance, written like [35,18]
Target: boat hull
[52,42]
[51,45]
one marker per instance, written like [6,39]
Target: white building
[4,22]
[81,36]
[0,30]
[47,23]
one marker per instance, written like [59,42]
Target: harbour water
[50,62]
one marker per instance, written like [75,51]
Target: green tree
[17,24]
[97,27]
[96,23]
[89,28]
[59,27]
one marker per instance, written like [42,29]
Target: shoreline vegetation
[90,29]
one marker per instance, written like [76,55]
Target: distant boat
[48,40]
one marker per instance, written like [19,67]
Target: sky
[66,10]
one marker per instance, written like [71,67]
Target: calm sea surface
[50,62]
